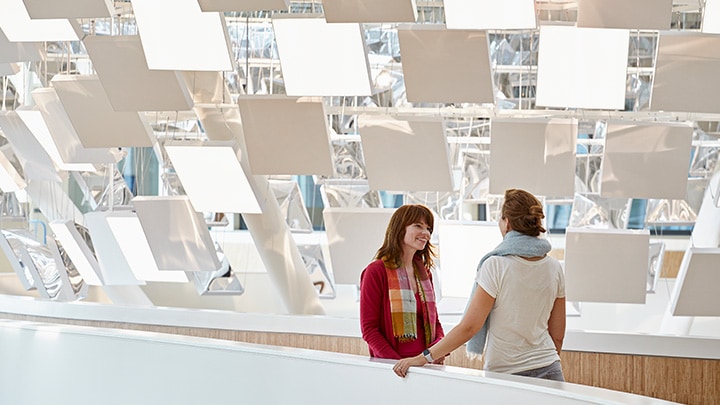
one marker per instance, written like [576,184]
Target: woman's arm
[556,323]
[474,318]
[372,313]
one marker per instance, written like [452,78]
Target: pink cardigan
[375,320]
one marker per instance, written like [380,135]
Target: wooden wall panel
[688,381]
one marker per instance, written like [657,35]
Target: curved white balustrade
[575,340]
[59,364]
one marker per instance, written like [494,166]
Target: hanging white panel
[43,9]
[546,149]
[243,5]
[286,135]
[636,14]
[461,245]
[63,133]
[606,265]
[582,67]
[490,14]
[405,153]
[354,236]
[309,68]
[445,66]
[646,160]
[177,234]
[212,176]
[19,27]
[178,35]
[370,11]
[130,86]
[674,87]
[97,124]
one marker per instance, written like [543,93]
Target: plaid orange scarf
[403,307]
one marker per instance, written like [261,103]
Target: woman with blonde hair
[398,314]
[525,290]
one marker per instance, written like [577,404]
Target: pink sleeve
[372,313]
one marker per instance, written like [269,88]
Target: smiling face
[417,235]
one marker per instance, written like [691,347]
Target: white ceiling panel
[43,9]
[546,148]
[445,66]
[130,86]
[309,69]
[370,11]
[582,67]
[405,153]
[178,35]
[286,135]
[177,234]
[96,123]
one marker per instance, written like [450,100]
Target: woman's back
[525,292]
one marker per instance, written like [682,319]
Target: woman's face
[417,235]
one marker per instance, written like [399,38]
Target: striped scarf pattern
[403,307]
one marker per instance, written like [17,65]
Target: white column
[271,235]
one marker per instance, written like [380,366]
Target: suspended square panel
[546,149]
[62,132]
[243,5]
[354,236]
[634,15]
[606,265]
[696,289]
[646,160]
[43,9]
[445,66]
[370,11]
[114,266]
[212,176]
[286,135]
[36,163]
[490,15]
[711,17]
[461,245]
[309,68]
[674,88]
[130,86]
[129,235]
[582,67]
[79,251]
[177,234]
[18,27]
[18,51]
[177,35]
[405,154]
[96,123]
[10,180]
[35,123]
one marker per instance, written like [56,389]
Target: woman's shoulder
[375,266]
